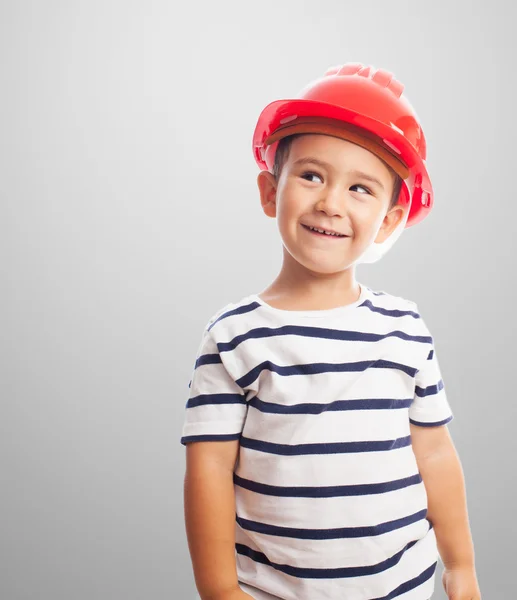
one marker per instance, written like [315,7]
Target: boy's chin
[327,267]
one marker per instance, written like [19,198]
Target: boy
[319,463]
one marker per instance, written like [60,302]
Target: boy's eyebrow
[316,161]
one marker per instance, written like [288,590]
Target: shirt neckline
[317,313]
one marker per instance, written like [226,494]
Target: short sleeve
[430,406]
[216,407]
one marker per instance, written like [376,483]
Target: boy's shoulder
[240,306]
[400,306]
[393,301]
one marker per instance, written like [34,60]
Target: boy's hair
[282,153]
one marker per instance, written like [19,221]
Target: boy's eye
[362,186]
[311,174]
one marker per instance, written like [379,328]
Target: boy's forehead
[336,152]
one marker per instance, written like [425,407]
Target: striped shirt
[330,503]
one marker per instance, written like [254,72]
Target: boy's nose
[333,202]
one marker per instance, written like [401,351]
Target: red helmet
[365,101]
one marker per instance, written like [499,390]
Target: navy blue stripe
[236,311]
[313,408]
[208,359]
[429,390]
[212,437]
[325,447]
[340,572]
[315,368]
[331,534]
[431,354]
[434,424]
[411,584]
[334,491]
[203,399]
[390,312]
[318,332]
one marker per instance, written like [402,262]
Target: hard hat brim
[345,131]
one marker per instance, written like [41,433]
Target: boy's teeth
[323,231]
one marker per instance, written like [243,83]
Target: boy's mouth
[321,233]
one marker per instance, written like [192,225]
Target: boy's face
[337,193]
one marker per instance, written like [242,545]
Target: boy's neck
[297,288]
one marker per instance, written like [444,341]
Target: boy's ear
[390,222]
[267,185]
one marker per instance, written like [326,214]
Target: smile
[321,233]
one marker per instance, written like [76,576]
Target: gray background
[130,214]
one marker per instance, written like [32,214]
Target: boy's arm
[441,470]
[209,502]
